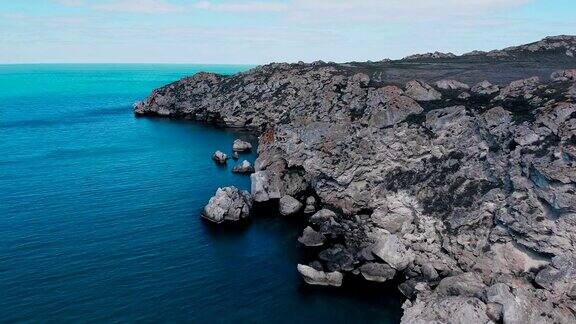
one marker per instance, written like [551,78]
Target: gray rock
[421,91]
[564,75]
[320,278]
[394,252]
[264,187]
[377,272]
[466,284]
[241,146]
[482,183]
[429,272]
[219,157]
[289,206]
[451,85]
[310,205]
[228,205]
[453,309]
[311,238]
[245,168]
[235,156]
[485,88]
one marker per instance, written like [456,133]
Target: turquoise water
[99,213]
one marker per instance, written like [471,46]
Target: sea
[100,213]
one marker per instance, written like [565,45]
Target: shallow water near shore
[99,213]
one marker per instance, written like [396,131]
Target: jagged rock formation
[229,204]
[469,197]
[220,157]
[241,146]
[244,168]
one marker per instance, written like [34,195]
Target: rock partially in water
[311,238]
[241,146]
[220,157]
[265,187]
[244,168]
[235,156]
[289,206]
[320,278]
[229,204]
[377,272]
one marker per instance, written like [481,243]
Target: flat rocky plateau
[454,174]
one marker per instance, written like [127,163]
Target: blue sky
[255,32]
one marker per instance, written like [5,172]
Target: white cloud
[251,6]
[71,3]
[392,10]
[138,6]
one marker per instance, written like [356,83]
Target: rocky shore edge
[464,192]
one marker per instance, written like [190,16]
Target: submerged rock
[320,278]
[220,157]
[229,204]
[245,168]
[241,146]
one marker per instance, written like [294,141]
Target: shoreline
[446,184]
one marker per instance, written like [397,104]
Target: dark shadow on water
[355,289]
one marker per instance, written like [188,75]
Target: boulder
[229,204]
[241,146]
[320,278]
[394,252]
[421,91]
[289,206]
[485,88]
[377,272]
[220,157]
[235,156]
[264,187]
[465,284]
[388,106]
[311,238]
[310,205]
[564,75]
[571,92]
[245,168]
[451,85]
[453,309]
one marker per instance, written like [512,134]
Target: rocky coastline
[455,175]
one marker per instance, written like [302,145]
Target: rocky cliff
[456,174]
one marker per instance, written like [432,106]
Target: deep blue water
[99,213]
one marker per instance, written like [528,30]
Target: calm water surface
[99,213]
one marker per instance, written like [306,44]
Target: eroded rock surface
[228,205]
[469,199]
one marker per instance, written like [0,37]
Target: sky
[257,31]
